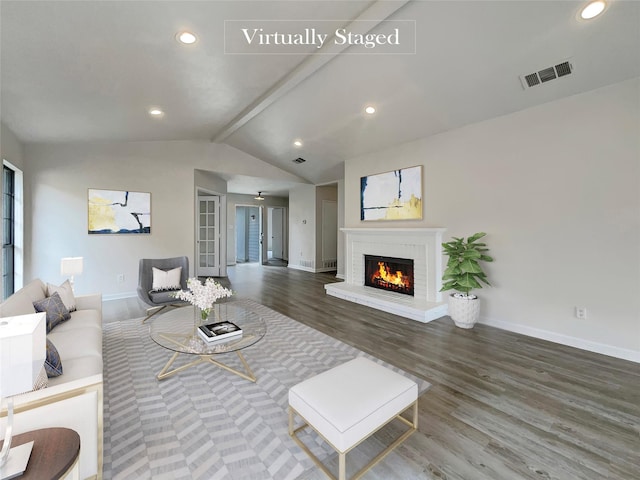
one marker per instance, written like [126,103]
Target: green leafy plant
[463,272]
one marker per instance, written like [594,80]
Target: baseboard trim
[595,347]
[119,296]
[325,269]
[304,269]
[312,270]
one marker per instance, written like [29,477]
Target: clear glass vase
[201,316]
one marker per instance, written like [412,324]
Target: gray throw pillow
[53,363]
[55,310]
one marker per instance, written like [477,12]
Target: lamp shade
[71,265]
[22,352]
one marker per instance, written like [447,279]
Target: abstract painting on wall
[115,212]
[395,195]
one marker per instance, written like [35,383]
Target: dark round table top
[55,450]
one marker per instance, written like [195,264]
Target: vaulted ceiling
[89,71]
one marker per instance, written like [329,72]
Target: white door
[208,241]
[277,245]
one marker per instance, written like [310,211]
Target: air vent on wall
[299,160]
[546,74]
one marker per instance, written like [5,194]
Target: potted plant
[464,273]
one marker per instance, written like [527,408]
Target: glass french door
[208,242]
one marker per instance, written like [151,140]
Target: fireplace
[423,245]
[389,273]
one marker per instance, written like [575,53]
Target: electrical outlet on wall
[120,278]
[581,313]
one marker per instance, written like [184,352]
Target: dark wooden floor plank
[503,406]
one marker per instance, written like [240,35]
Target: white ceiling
[89,71]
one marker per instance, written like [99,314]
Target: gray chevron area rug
[205,423]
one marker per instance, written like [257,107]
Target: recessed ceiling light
[156,112]
[297,143]
[186,38]
[370,110]
[593,9]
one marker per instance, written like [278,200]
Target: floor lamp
[22,354]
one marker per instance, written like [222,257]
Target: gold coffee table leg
[165,372]
[247,374]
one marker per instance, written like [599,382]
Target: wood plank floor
[502,406]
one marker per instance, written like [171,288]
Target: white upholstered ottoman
[348,403]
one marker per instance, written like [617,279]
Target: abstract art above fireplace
[395,195]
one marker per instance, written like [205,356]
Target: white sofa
[73,399]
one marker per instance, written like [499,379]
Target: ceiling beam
[374,15]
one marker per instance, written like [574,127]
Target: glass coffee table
[176,331]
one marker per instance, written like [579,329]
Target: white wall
[302,227]
[12,150]
[209,182]
[556,188]
[57,177]
[325,193]
[341,235]
[305,225]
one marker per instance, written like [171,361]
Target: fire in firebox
[387,273]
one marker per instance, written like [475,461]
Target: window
[8,230]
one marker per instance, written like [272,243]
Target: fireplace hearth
[389,273]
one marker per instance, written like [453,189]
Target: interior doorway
[248,234]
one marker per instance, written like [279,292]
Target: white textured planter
[465,312]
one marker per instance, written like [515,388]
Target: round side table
[55,453]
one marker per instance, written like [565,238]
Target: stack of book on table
[219,332]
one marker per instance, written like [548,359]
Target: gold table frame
[188,342]
[165,372]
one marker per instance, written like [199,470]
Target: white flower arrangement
[203,295]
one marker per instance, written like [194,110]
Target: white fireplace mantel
[422,245]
